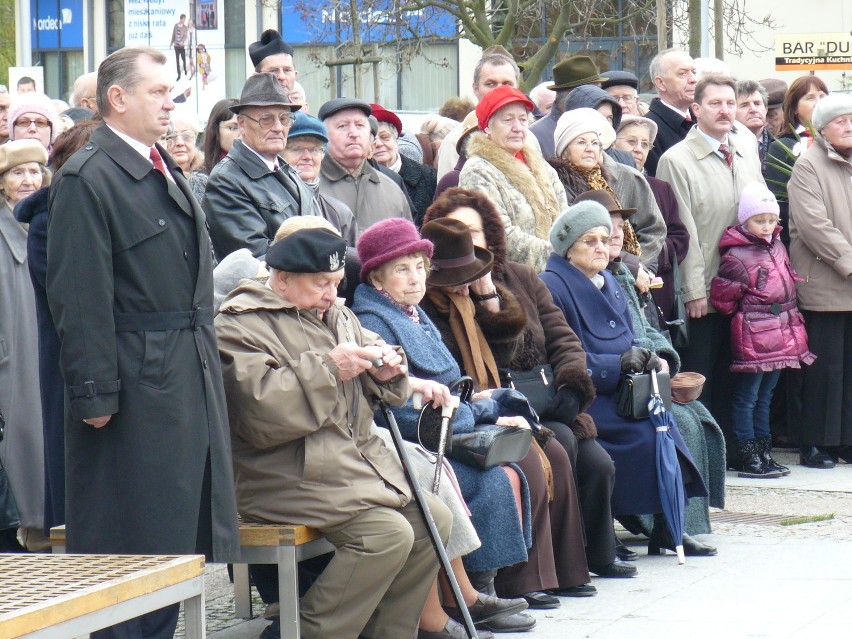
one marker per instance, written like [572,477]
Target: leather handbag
[490,445]
[634,392]
[536,384]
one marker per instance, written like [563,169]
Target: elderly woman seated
[389,304]
[596,308]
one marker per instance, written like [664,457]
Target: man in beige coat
[708,186]
[301,377]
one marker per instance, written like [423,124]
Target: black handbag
[536,384]
[678,325]
[490,445]
[634,392]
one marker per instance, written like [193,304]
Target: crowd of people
[568,237]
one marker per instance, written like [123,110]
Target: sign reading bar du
[813,52]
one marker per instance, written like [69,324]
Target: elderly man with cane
[301,376]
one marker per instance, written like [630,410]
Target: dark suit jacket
[129,268]
[672,128]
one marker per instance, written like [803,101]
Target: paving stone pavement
[767,581]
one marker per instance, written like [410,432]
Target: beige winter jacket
[820,192]
[529,197]
[302,442]
[708,194]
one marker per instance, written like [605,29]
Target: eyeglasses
[593,242]
[626,99]
[267,120]
[314,151]
[636,142]
[187,137]
[584,144]
[24,123]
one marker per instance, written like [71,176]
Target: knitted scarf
[476,354]
[595,179]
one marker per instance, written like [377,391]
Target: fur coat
[529,196]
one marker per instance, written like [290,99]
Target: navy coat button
[161,222]
[604,373]
[612,323]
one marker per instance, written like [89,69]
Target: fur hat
[455,260]
[18,152]
[755,200]
[34,103]
[387,240]
[575,221]
[831,106]
[270,43]
[578,121]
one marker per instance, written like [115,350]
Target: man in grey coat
[130,287]
[345,173]
[253,190]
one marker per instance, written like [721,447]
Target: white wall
[816,16]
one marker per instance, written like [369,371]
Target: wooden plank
[37,591]
[274,535]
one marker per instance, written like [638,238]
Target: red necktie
[726,153]
[157,159]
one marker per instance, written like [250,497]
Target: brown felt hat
[775,91]
[574,72]
[606,200]
[455,260]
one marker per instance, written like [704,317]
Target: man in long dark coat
[129,283]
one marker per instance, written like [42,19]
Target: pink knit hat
[388,240]
[34,103]
[755,200]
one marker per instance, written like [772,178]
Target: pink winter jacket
[756,284]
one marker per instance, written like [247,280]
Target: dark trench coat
[123,245]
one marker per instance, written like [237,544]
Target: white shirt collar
[396,166]
[713,142]
[142,149]
[686,115]
[269,163]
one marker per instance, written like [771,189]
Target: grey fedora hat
[262,89]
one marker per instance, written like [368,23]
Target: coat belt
[163,321]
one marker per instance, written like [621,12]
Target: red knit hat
[388,240]
[384,115]
[498,98]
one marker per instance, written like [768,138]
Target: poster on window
[192,38]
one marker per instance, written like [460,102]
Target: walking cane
[427,517]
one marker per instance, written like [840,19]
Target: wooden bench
[60,596]
[282,544]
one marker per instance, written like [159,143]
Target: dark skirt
[826,385]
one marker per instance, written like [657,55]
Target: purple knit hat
[34,103]
[755,200]
[388,240]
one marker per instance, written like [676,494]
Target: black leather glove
[565,407]
[636,359]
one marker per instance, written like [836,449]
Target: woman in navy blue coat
[597,309]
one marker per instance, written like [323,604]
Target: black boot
[483,581]
[764,447]
[751,464]
[661,539]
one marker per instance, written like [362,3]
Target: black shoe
[617,569]
[660,540]
[583,590]
[452,630]
[272,631]
[764,449]
[488,607]
[541,601]
[751,464]
[838,453]
[518,622]
[814,457]
[623,552]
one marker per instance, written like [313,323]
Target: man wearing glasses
[253,190]
[272,55]
[624,87]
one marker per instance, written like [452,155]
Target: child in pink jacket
[756,284]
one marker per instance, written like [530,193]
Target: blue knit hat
[576,220]
[307,125]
